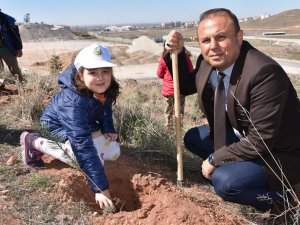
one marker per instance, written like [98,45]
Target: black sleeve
[187,83]
[14,30]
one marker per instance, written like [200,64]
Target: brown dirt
[37,58]
[143,192]
[142,195]
[7,93]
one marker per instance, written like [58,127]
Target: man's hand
[174,42]
[207,169]
[110,136]
[19,53]
[103,199]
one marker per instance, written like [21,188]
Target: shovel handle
[177,117]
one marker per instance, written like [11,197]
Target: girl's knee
[113,153]
[116,154]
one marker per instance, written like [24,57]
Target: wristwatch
[211,159]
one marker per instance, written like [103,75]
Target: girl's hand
[103,199]
[110,136]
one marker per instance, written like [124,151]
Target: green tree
[55,64]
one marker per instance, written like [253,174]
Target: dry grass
[290,212]
[26,108]
[139,118]
[287,20]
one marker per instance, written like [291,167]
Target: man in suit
[262,114]
[10,44]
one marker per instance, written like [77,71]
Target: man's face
[219,43]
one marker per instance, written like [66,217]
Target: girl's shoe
[31,156]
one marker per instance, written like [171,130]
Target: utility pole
[27,19]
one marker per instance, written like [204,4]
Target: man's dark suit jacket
[260,86]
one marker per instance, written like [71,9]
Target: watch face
[211,159]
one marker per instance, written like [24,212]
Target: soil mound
[119,55]
[145,44]
[43,32]
[140,196]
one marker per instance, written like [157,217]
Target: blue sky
[95,12]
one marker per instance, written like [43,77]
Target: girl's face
[97,80]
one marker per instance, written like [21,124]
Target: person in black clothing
[10,45]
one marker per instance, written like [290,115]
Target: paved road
[42,51]
[272,38]
[137,72]
[290,66]
[148,71]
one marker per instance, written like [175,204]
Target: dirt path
[135,65]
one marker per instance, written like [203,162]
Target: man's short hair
[220,11]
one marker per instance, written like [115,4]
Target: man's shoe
[31,156]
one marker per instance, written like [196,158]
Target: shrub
[56,64]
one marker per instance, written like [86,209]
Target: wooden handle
[177,117]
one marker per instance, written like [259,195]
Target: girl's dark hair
[111,93]
[219,11]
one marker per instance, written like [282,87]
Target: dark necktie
[219,113]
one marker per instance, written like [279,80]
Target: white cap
[93,56]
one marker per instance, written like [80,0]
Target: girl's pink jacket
[163,73]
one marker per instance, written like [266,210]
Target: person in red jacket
[168,87]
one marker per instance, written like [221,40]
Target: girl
[168,87]
[76,116]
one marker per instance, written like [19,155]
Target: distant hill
[287,20]
[43,32]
